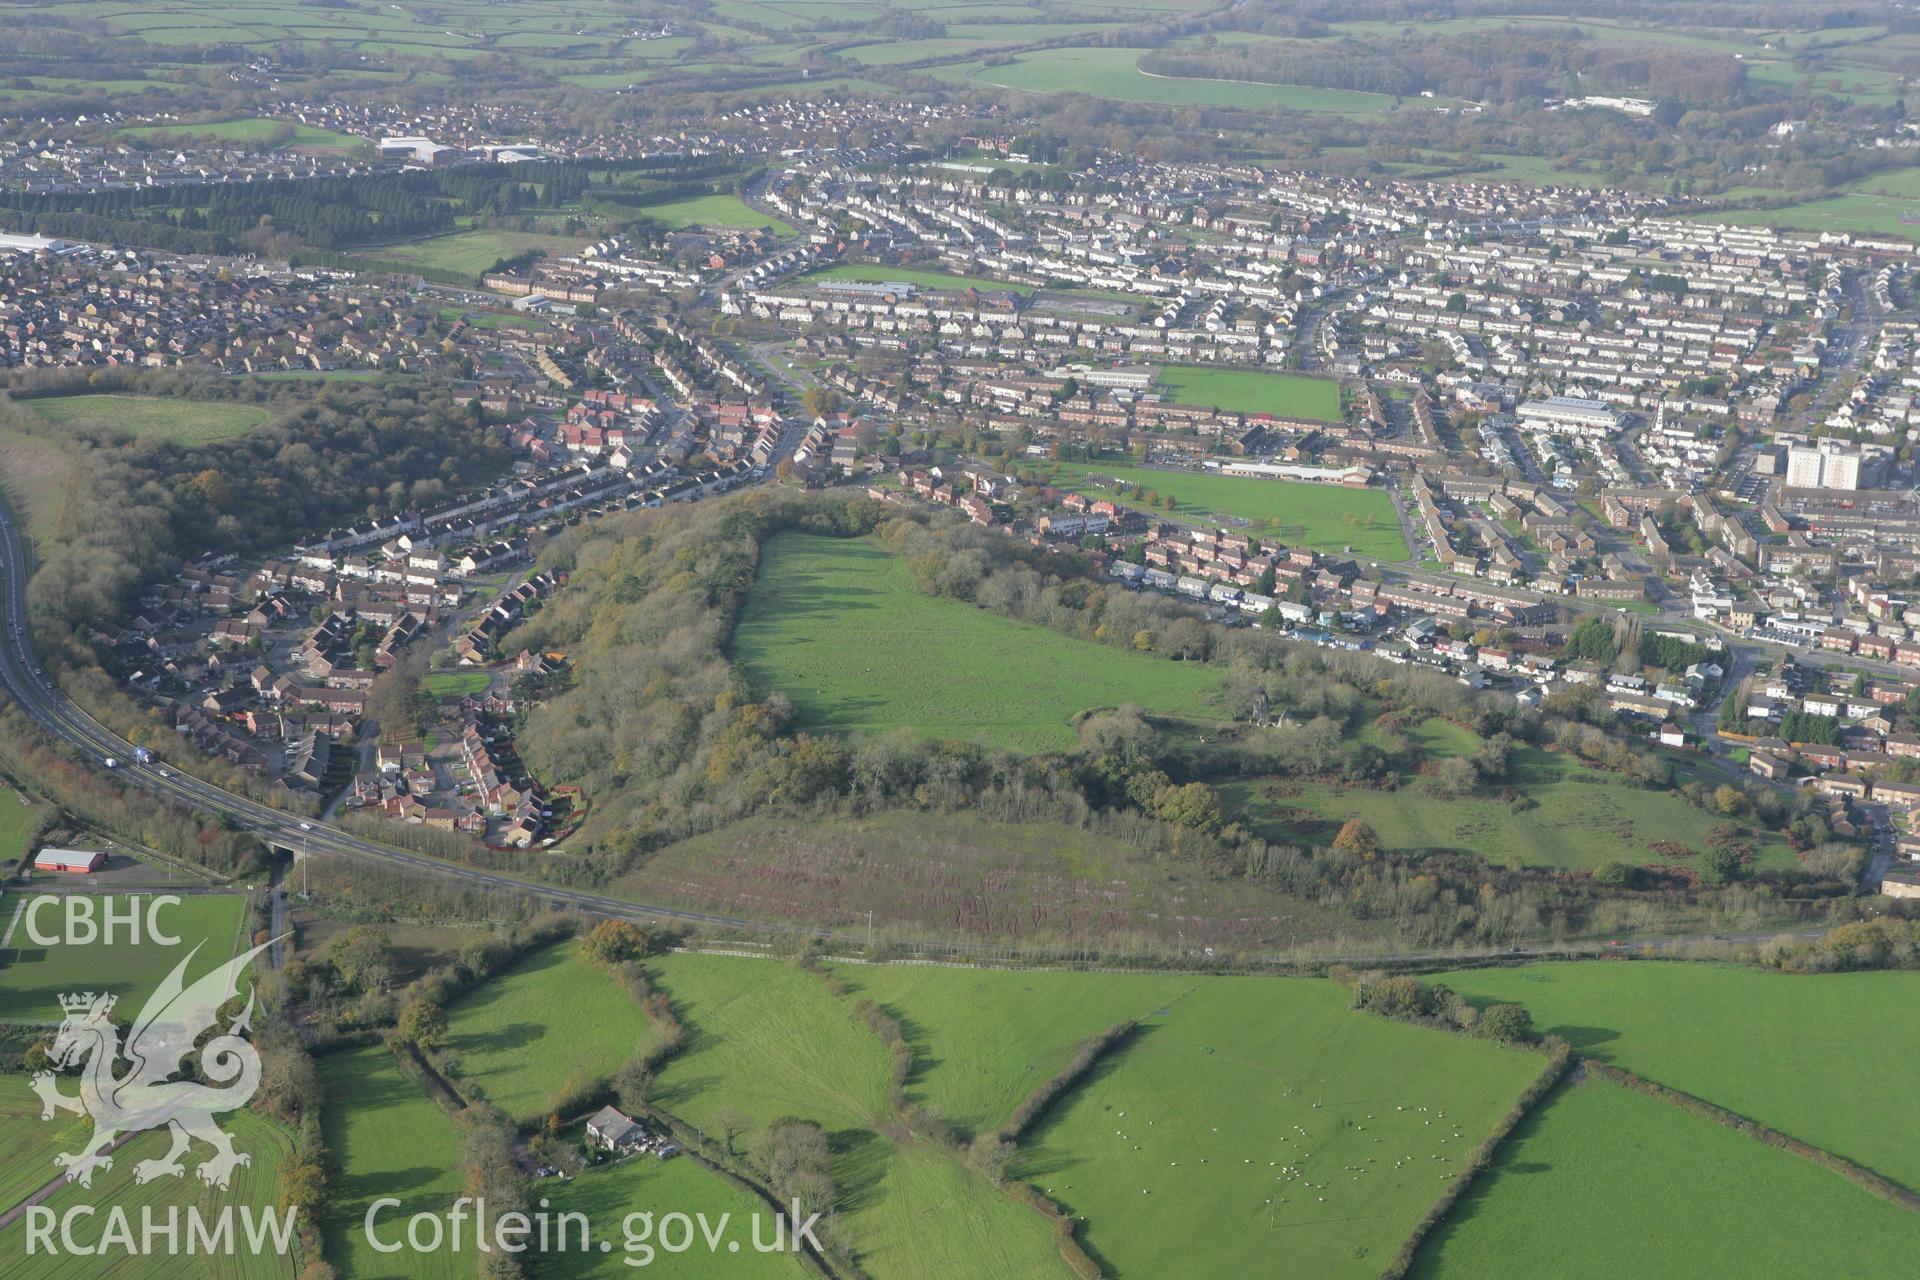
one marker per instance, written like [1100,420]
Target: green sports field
[1823,1058]
[186,422]
[1602,1181]
[880,273]
[471,253]
[715,211]
[550,1023]
[1289,395]
[33,977]
[1262,1127]
[840,627]
[388,1139]
[1323,517]
[1857,212]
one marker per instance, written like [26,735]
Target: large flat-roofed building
[1569,415]
[878,290]
[1126,377]
[420,151]
[1824,465]
[10,243]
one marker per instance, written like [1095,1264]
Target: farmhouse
[79,861]
[611,1130]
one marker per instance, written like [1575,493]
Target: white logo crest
[146,1097]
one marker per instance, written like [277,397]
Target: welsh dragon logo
[146,1096]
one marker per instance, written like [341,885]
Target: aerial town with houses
[1574,401]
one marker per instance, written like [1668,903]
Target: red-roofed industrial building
[80,861]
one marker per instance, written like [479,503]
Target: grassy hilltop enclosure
[781,701]
[839,627]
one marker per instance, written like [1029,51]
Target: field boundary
[1027,1113]
[1035,1104]
[671,1036]
[1559,1062]
[1861,1176]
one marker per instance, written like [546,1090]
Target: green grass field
[1856,212]
[387,1139]
[1602,1181]
[28,1144]
[1581,817]
[455,684]
[1822,1058]
[305,136]
[771,1041]
[489,319]
[254,1187]
[1115,73]
[34,977]
[880,273]
[186,422]
[1288,395]
[768,1040]
[609,1193]
[18,822]
[471,253]
[1323,517]
[550,1023]
[715,211]
[983,1040]
[1262,1127]
[839,625]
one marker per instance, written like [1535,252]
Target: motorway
[27,683]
